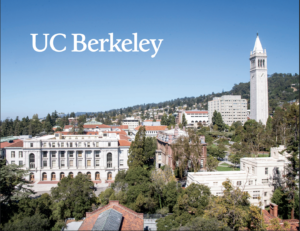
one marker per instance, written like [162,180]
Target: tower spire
[257,46]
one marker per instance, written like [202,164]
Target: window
[253,170]
[88,153]
[109,144]
[266,171]
[71,145]
[97,163]
[265,181]
[88,163]
[13,162]
[256,194]
[79,163]
[31,145]
[159,156]
[53,154]
[239,183]
[109,160]
[62,144]
[79,153]
[45,154]
[266,194]
[44,144]
[201,163]
[71,153]
[121,162]
[79,144]
[20,154]
[71,163]
[215,183]
[62,154]
[31,161]
[44,163]
[20,163]
[62,163]
[89,144]
[13,155]
[53,163]
[250,182]
[53,145]
[97,153]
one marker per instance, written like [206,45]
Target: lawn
[223,168]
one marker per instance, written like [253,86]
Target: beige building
[232,108]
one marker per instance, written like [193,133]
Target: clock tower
[259,102]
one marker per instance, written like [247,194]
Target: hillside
[280,91]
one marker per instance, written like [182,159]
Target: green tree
[211,163]
[217,120]
[72,197]
[72,115]
[137,149]
[202,224]
[36,222]
[80,128]
[184,121]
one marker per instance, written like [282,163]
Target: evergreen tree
[184,121]
[72,115]
[137,149]
[217,120]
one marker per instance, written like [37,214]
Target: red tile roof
[151,120]
[96,125]
[153,128]
[76,133]
[196,112]
[121,126]
[118,132]
[6,144]
[124,137]
[131,219]
[124,143]
[69,126]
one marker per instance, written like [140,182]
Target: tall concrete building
[259,103]
[232,108]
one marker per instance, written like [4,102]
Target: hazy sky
[206,47]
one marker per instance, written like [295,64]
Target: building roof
[124,143]
[15,143]
[124,137]
[131,220]
[96,126]
[196,112]
[151,120]
[257,46]
[153,128]
[118,132]
[120,126]
[108,220]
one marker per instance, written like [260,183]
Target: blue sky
[206,48]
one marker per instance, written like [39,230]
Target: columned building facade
[52,158]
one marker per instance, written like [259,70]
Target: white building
[257,176]
[131,122]
[259,102]
[151,131]
[232,108]
[52,157]
[194,117]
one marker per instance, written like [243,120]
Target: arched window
[31,177]
[53,176]
[89,175]
[62,175]
[109,176]
[31,161]
[71,175]
[44,176]
[109,160]
[97,176]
